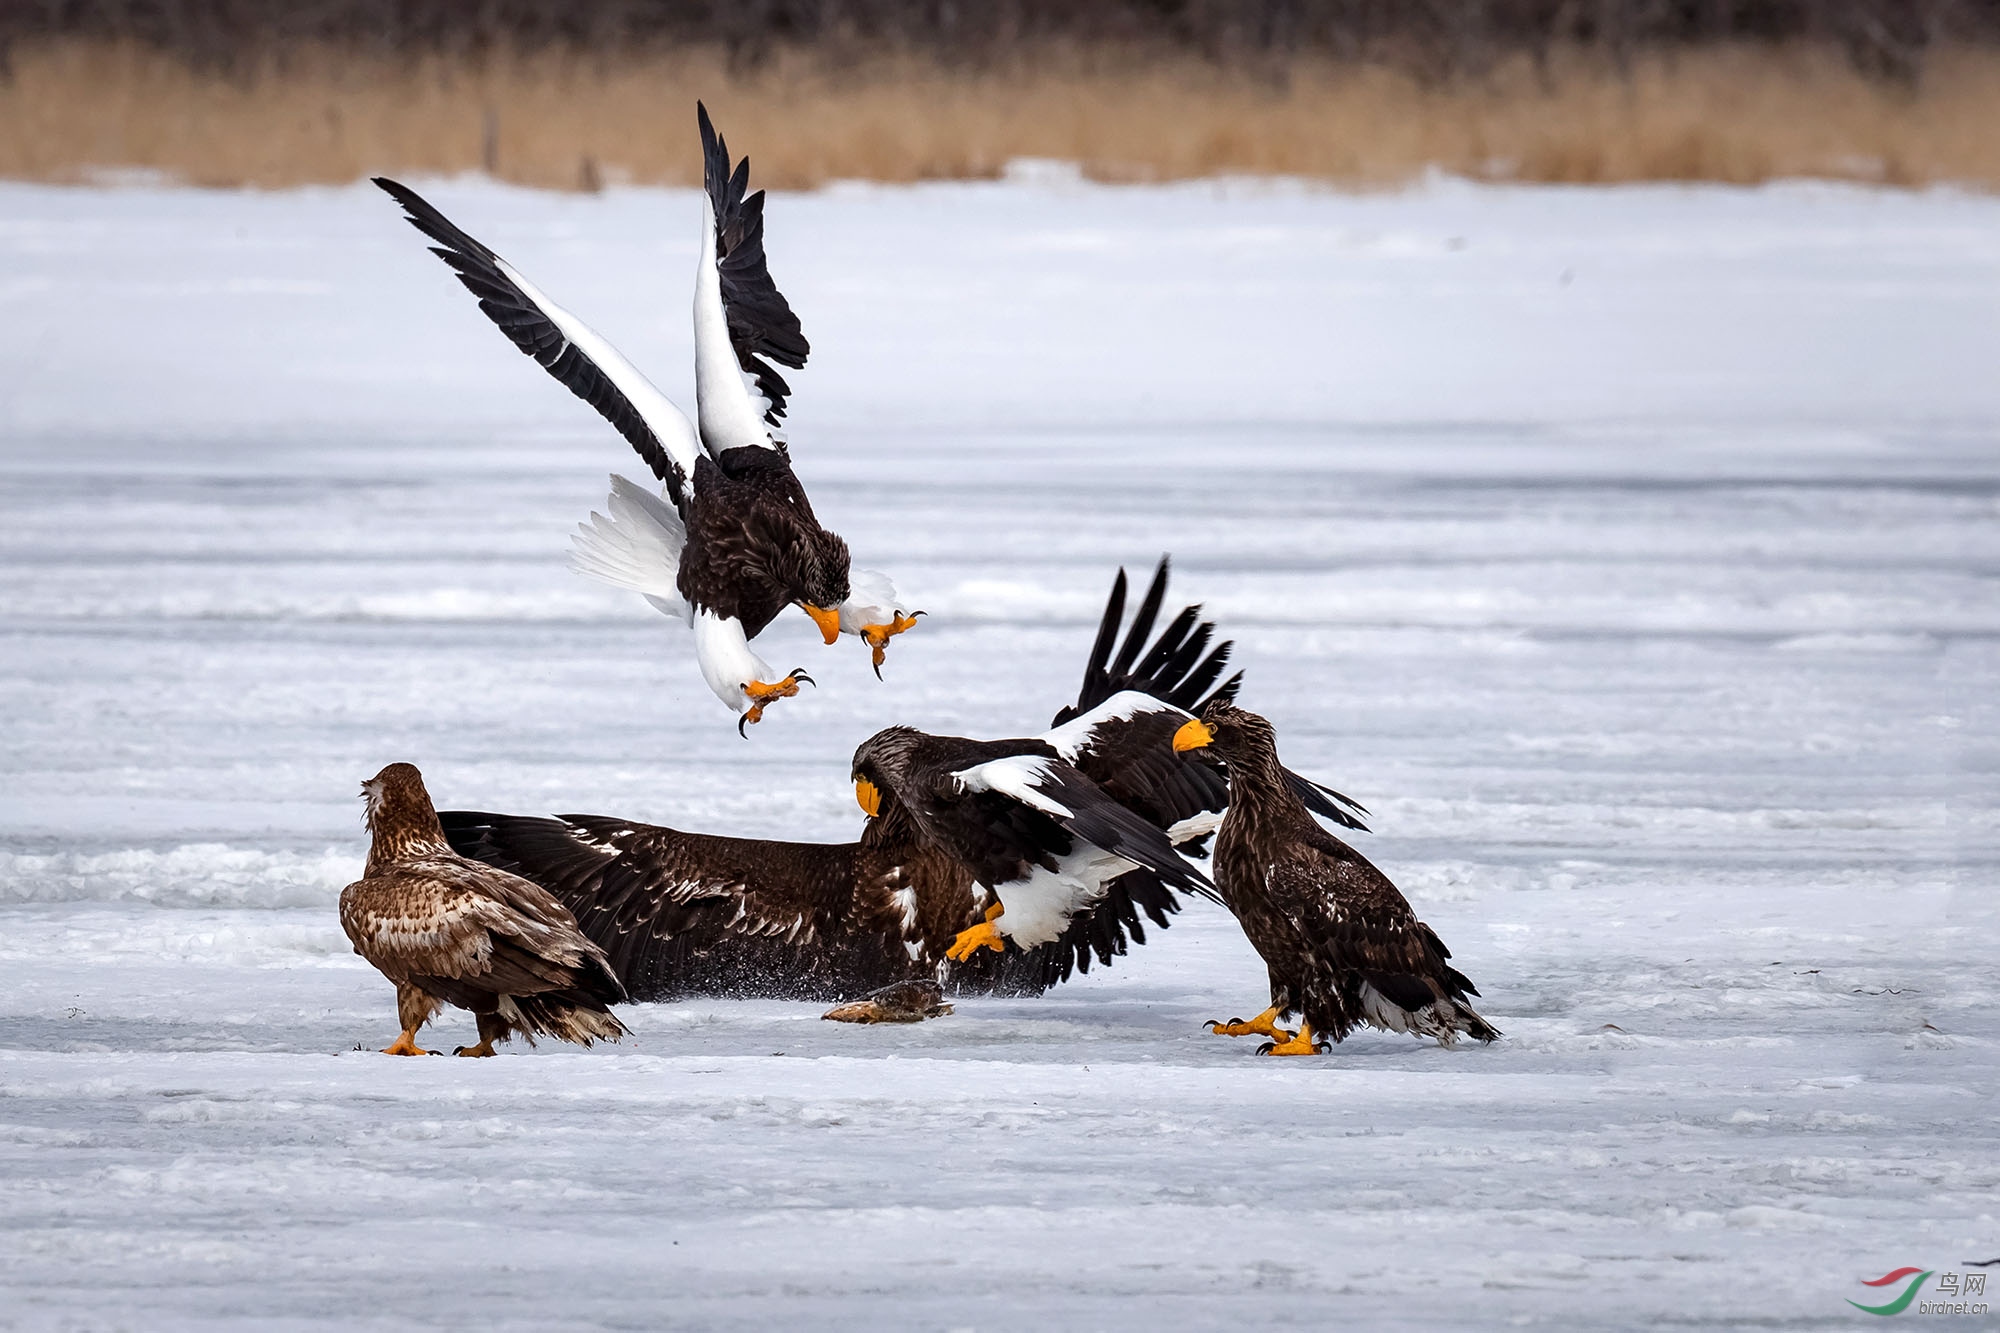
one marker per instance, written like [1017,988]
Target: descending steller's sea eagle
[734,541]
[683,913]
[448,930]
[1342,945]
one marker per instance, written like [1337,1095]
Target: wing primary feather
[1188,694]
[1142,621]
[1167,645]
[1321,800]
[550,334]
[1176,668]
[1096,681]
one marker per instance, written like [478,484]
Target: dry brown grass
[1731,115]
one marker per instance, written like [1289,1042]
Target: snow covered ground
[1631,553]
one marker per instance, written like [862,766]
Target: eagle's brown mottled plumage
[682,913]
[448,930]
[1342,944]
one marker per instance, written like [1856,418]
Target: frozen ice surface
[1632,553]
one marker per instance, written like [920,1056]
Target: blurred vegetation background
[580,93]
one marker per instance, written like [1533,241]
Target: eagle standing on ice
[735,541]
[1342,945]
[447,930]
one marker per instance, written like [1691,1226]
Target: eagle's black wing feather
[762,327]
[1177,668]
[1098,819]
[1328,803]
[529,328]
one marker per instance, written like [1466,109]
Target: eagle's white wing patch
[1018,776]
[730,405]
[1077,736]
[667,422]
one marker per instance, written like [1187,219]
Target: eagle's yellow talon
[1303,1044]
[974,938]
[1263,1025]
[406,1044]
[877,636]
[485,1047]
[761,693]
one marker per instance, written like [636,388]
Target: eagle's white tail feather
[638,546]
[1444,1018]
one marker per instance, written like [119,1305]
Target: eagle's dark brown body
[1342,945]
[754,546]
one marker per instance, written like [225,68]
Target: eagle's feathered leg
[414,1008]
[1303,1044]
[985,935]
[492,1028]
[1263,1025]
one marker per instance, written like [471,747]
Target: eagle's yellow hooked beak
[1194,734]
[867,797]
[828,621]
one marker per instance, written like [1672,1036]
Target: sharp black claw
[742,721]
[878,671]
[915,614]
[1267,1048]
[458,1050]
[798,674]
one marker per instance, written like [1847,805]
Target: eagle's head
[881,765]
[819,578]
[1235,735]
[397,802]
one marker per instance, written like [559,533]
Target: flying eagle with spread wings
[1341,943]
[732,541]
[448,930]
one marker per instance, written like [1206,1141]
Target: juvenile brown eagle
[447,930]
[735,540]
[1341,944]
